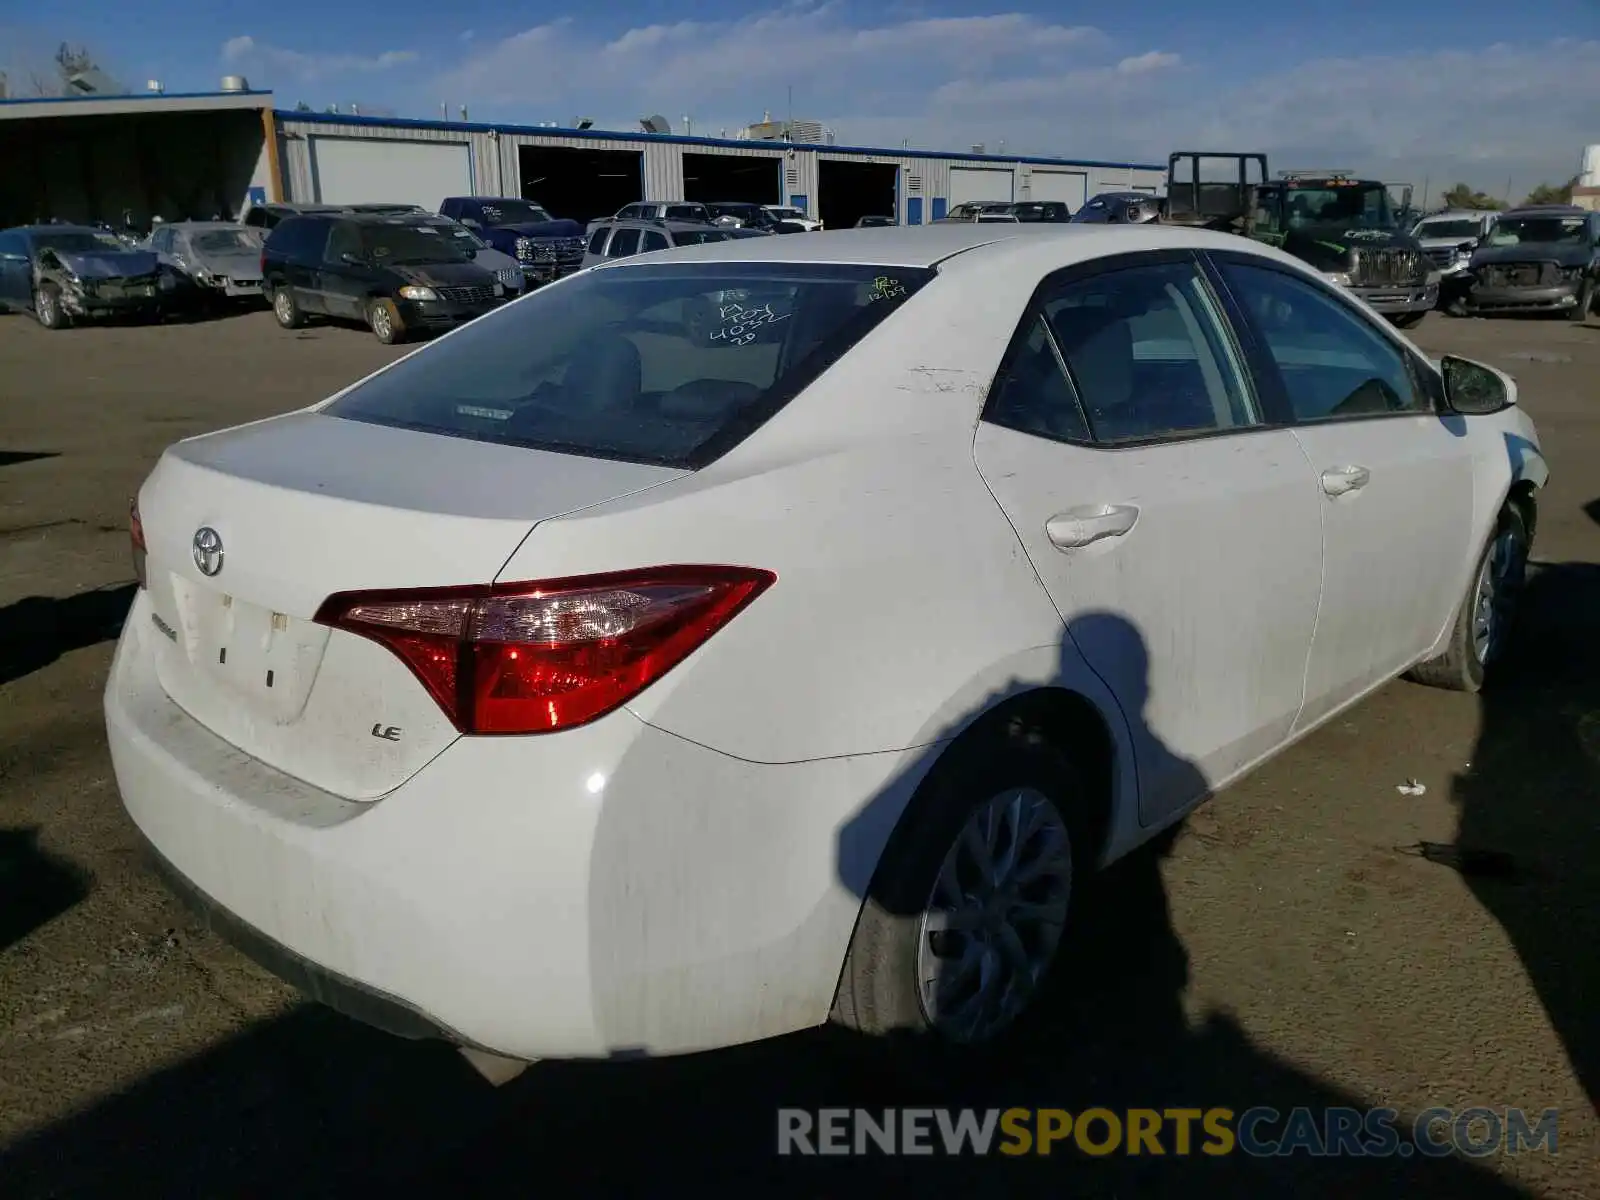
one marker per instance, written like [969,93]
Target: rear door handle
[1336,481]
[1084,526]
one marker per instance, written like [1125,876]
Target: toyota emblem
[208,550]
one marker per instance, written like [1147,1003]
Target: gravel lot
[1283,952]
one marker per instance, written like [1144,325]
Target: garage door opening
[581,184]
[848,191]
[1069,187]
[176,166]
[980,183]
[356,170]
[744,178]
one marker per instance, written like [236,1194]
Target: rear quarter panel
[905,604]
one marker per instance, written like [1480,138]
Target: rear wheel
[47,307]
[1483,622]
[968,906]
[286,309]
[384,318]
[1585,302]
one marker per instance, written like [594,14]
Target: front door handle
[1336,481]
[1084,526]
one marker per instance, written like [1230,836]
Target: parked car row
[1541,258]
[737,214]
[63,273]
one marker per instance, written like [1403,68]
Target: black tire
[1580,315]
[286,308]
[1462,668]
[1407,320]
[383,318]
[879,993]
[47,307]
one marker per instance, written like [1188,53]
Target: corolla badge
[208,550]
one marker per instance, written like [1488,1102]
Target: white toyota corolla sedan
[726,640]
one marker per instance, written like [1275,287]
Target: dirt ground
[1284,952]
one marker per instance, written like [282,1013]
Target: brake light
[136,537]
[544,656]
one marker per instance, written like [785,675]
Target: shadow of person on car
[37,630]
[312,1104]
[1529,804]
[1110,1030]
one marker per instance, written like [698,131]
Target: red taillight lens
[537,657]
[136,537]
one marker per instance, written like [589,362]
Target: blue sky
[1466,90]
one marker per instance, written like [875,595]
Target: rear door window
[653,241]
[299,238]
[670,364]
[597,239]
[623,243]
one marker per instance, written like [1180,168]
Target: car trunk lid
[300,507]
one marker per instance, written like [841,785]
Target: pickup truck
[545,247]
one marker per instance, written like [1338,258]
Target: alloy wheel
[994,919]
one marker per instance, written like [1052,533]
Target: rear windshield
[221,241]
[1467,228]
[670,364]
[696,237]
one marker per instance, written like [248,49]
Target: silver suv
[664,210]
[1448,238]
[623,239]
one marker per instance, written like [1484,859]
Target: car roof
[202,226]
[1546,210]
[74,228]
[1060,245]
[368,218]
[658,226]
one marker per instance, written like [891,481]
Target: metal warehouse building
[589,173]
[196,155]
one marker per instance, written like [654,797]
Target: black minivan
[396,275]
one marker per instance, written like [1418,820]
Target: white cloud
[1477,113]
[1153,60]
[735,69]
[308,68]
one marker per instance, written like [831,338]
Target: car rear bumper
[607,890]
[1555,298]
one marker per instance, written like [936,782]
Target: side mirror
[1473,390]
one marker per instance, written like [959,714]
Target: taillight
[537,657]
[136,537]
